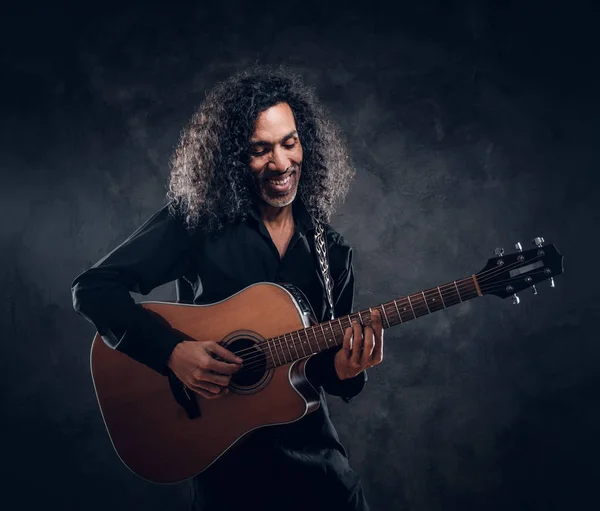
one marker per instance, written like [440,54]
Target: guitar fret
[308,341]
[283,350]
[330,330]
[288,346]
[411,307]
[385,316]
[341,327]
[301,342]
[317,340]
[276,351]
[313,349]
[435,304]
[426,302]
[294,346]
[441,297]
[271,352]
[404,309]
[398,311]
[324,336]
[457,291]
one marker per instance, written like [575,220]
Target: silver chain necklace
[321,247]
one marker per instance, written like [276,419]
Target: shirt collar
[302,218]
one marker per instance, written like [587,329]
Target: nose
[279,161]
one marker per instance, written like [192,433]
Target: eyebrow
[263,142]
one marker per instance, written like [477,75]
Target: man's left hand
[362,349]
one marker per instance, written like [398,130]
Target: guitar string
[280,351]
[259,359]
[416,306]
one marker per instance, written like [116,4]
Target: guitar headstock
[505,275]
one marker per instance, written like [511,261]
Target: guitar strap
[323,259]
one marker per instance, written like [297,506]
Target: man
[256,167]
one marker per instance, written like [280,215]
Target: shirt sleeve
[156,253]
[321,367]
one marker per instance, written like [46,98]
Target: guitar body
[154,435]
[166,433]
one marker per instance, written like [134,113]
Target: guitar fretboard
[303,343]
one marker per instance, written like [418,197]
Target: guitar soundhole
[254,366]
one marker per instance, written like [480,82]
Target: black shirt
[305,457]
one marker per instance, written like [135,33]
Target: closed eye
[260,152]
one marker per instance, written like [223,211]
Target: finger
[368,343]
[203,393]
[378,349]
[224,353]
[357,343]
[206,386]
[376,321]
[377,356]
[222,367]
[209,395]
[218,379]
[347,346]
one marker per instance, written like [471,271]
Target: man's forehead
[274,124]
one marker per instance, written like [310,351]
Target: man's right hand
[193,363]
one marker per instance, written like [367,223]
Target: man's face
[276,156]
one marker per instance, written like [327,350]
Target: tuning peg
[538,242]
[519,247]
[534,290]
[516,299]
[551,281]
[498,252]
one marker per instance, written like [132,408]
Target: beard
[278,195]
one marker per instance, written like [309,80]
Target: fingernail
[239,360]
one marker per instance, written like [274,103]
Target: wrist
[173,355]
[338,372]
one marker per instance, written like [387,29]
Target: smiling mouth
[280,181]
[281,184]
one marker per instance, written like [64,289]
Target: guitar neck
[303,343]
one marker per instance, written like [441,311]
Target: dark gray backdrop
[472,125]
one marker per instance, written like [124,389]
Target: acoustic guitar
[166,433]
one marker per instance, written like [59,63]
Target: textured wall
[472,126]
